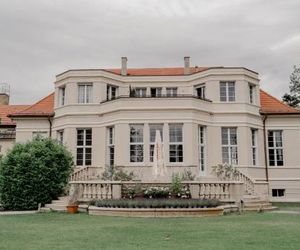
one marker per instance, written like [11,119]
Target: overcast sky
[42,38]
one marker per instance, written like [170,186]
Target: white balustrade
[220,190]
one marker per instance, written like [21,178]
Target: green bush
[157,192]
[116,174]
[156,203]
[32,173]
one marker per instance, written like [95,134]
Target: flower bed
[155,192]
[156,203]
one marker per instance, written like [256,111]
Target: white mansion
[205,115]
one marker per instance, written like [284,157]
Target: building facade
[206,116]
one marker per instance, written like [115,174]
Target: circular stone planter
[156,212]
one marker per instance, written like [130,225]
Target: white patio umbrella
[158,158]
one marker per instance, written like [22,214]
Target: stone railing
[229,191]
[85,174]
[249,183]
[97,190]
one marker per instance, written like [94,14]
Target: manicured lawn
[288,206]
[81,231]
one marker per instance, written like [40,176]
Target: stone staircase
[59,205]
[255,203]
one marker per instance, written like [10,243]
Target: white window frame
[251,93]
[171,91]
[42,134]
[60,136]
[254,145]
[158,91]
[156,126]
[277,192]
[84,147]
[202,148]
[276,148]
[140,92]
[232,148]
[133,143]
[87,93]
[202,87]
[177,142]
[110,89]
[228,97]
[111,145]
[61,96]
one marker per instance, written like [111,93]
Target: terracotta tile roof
[271,105]
[5,110]
[44,107]
[157,71]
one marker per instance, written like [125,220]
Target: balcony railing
[156,97]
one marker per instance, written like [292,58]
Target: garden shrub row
[157,203]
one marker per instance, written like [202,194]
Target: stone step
[257,205]
[45,209]
[60,202]
[256,202]
[55,207]
[63,198]
[250,197]
[270,208]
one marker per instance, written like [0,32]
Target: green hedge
[156,203]
[32,173]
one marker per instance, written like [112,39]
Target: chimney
[4,94]
[4,99]
[124,66]
[186,70]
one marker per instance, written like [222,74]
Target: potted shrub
[72,207]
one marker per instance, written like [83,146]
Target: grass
[81,231]
[288,206]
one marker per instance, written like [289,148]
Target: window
[171,92]
[42,134]
[254,146]
[202,148]
[229,146]
[85,91]
[139,92]
[251,93]
[275,147]
[61,96]
[137,143]
[278,192]
[111,92]
[84,147]
[227,91]
[156,92]
[111,145]
[60,136]
[153,128]
[175,143]
[200,90]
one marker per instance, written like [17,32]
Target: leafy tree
[293,99]
[34,172]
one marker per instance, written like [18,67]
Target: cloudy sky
[41,38]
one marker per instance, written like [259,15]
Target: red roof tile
[44,107]
[271,105]
[157,71]
[5,110]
